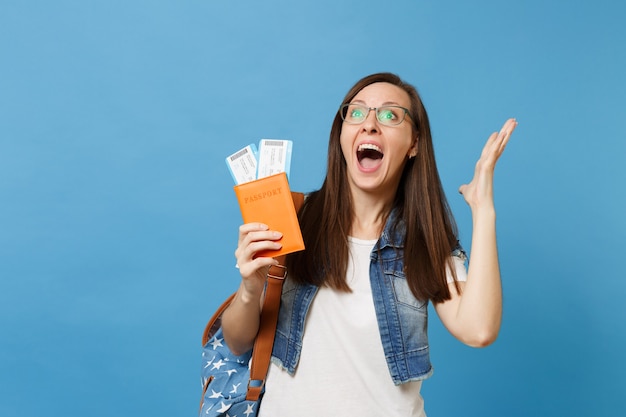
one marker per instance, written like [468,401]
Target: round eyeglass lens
[355,113]
[390,115]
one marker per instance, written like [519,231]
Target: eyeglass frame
[345,106]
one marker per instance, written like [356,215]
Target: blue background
[118,221]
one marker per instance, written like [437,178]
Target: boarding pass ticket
[273,157]
[243,164]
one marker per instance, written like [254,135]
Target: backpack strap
[264,342]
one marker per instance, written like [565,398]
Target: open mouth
[369,155]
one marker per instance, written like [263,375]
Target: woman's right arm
[240,321]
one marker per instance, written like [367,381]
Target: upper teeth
[369,146]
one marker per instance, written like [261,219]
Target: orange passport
[268,200]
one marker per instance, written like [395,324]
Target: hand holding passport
[268,199]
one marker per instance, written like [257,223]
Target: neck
[369,216]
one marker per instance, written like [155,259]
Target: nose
[370,124]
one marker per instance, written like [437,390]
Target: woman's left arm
[473,316]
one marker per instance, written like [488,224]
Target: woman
[381,242]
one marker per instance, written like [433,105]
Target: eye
[356,113]
[387,114]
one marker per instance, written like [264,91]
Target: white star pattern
[216,343]
[210,362]
[249,410]
[216,394]
[224,408]
[218,399]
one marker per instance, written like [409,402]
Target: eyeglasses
[355,114]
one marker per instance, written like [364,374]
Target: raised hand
[479,192]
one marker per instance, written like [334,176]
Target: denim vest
[402,319]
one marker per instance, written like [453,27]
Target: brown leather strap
[264,342]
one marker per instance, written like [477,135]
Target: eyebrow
[386,103]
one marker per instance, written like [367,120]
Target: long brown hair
[421,205]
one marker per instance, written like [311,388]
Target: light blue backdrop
[118,221]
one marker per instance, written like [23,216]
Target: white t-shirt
[342,368]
